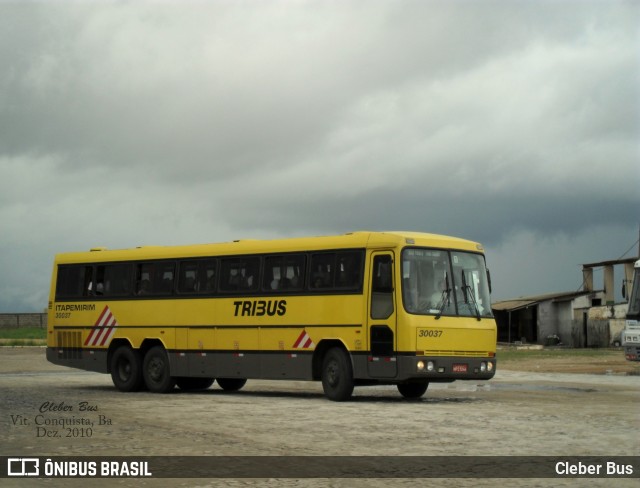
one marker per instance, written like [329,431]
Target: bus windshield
[439,282]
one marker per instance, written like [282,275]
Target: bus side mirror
[624,289]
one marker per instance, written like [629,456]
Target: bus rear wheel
[156,371]
[192,384]
[126,369]
[231,384]
[337,375]
[413,390]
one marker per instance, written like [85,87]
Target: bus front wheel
[337,375]
[156,372]
[413,390]
[126,369]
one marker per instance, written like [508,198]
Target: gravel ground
[519,412]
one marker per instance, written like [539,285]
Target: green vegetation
[24,333]
[24,336]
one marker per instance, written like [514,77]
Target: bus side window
[144,274]
[272,276]
[89,285]
[382,288]
[349,270]
[165,278]
[322,270]
[113,279]
[284,273]
[208,276]
[155,278]
[197,276]
[239,274]
[295,272]
[187,277]
[341,270]
[73,281]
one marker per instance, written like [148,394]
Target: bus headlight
[486,367]
[428,367]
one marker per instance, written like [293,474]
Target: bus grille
[70,345]
[470,354]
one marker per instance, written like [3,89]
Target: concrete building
[586,318]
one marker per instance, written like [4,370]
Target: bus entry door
[382,318]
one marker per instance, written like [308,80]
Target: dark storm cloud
[155,122]
[482,218]
[227,89]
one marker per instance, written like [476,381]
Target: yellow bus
[362,308]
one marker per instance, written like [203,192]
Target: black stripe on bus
[243,326]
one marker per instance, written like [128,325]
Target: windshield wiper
[468,295]
[446,293]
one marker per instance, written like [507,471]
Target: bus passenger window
[197,276]
[165,279]
[155,278]
[144,287]
[239,274]
[341,270]
[349,270]
[284,273]
[322,269]
[113,279]
[208,276]
[88,281]
[144,274]
[187,277]
[73,281]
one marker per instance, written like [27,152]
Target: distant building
[586,318]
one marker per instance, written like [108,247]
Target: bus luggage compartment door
[382,360]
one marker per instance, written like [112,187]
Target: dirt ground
[611,361]
[526,410]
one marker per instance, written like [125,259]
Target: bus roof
[352,240]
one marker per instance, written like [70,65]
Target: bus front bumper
[446,368]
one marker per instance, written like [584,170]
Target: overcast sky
[512,123]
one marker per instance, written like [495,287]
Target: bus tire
[156,371]
[231,384]
[414,389]
[337,375]
[126,369]
[193,384]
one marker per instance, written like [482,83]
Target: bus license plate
[459,368]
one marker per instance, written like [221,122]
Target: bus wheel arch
[147,344]
[319,354]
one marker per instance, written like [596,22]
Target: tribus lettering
[258,308]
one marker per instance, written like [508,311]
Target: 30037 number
[430,333]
